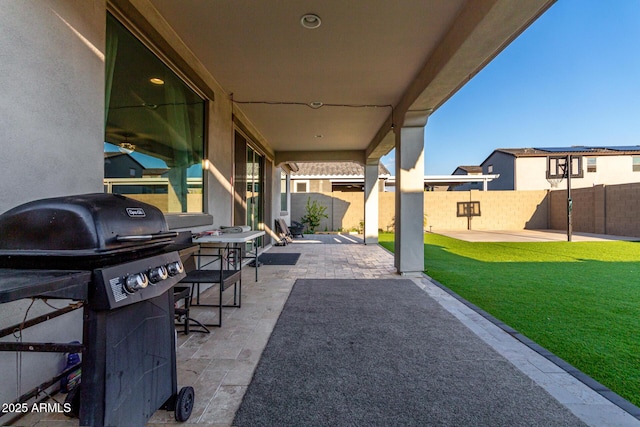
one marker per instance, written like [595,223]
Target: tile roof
[328,169]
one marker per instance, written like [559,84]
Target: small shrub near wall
[314,213]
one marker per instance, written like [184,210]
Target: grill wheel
[184,403]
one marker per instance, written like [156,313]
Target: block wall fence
[613,209]
[602,209]
[499,210]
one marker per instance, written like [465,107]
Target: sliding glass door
[255,172]
[249,177]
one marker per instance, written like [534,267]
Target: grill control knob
[157,274]
[175,268]
[135,282]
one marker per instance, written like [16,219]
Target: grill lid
[82,225]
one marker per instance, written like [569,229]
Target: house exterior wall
[530,173]
[52,79]
[52,136]
[319,186]
[325,185]
[116,166]
[610,170]
[503,164]
[52,105]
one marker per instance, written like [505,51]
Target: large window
[154,127]
[592,164]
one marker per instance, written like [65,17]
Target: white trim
[451,179]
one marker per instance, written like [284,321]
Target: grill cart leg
[73,398]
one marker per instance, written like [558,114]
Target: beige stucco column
[371,195]
[409,239]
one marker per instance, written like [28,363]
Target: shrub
[314,214]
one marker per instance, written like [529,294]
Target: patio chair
[283,237]
[284,234]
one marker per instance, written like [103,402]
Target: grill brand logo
[136,212]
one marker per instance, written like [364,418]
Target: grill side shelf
[17,284]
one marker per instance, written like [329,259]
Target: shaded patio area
[220,365]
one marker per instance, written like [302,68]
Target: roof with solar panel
[575,149]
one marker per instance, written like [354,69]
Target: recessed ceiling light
[310,21]
[315,104]
[156,81]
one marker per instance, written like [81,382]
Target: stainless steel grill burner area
[114,254]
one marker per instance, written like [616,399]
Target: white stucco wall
[52,103]
[52,132]
[610,170]
[531,173]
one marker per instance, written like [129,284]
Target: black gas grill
[129,358]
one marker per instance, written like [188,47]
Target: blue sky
[572,78]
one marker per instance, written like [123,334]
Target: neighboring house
[325,177]
[119,165]
[469,171]
[123,174]
[528,168]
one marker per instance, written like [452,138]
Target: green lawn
[580,300]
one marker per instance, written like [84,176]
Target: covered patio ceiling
[372,64]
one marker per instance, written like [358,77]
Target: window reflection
[154,123]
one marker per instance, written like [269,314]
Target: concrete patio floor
[220,365]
